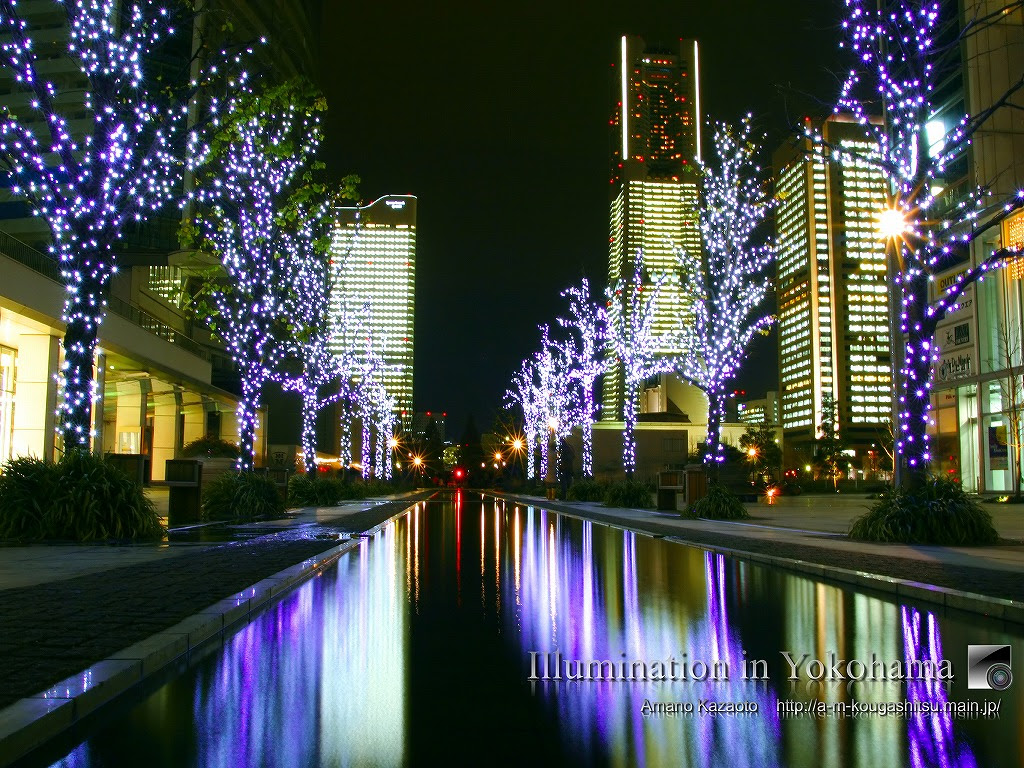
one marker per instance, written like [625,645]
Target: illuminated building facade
[374,256]
[832,291]
[656,137]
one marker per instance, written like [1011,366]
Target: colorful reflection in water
[416,649]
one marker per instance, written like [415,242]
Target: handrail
[48,267]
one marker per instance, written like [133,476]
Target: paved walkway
[89,602]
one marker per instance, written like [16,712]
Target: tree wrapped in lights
[525,394]
[308,309]
[726,280]
[587,361]
[88,182]
[897,66]
[243,172]
[630,316]
[555,397]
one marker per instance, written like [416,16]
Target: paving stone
[52,631]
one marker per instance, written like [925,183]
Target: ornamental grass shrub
[81,498]
[632,494]
[315,491]
[587,490]
[210,448]
[241,496]
[719,504]
[937,512]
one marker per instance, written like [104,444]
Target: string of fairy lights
[896,54]
[87,178]
[726,281]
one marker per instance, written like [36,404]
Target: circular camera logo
[988,667]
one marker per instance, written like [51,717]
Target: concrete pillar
[35,419]
[166,426]
[195,417]
[228,423]
[131,416]
[100,368]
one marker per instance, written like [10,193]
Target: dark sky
[495,116]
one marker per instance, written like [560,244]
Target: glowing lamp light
[892,223]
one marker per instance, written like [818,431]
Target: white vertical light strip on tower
[623,109]
[696,91]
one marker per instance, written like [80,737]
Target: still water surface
[416,649]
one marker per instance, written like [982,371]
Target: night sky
[496,117]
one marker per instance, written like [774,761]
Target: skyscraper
[656,138]
[374,255]
[832,289]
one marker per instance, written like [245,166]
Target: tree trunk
[310,406]
[629,431]
[714,454]
[912,440]
[588,450]
[248,417]
[83,311]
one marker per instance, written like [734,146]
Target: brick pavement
[51,631]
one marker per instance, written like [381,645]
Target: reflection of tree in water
[930,736]
[584,598]
[751,740]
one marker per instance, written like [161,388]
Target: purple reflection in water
[930,736]
[591,596]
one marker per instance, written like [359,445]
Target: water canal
[416,649]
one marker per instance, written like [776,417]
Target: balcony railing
[48,267]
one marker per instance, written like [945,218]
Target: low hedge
[587,490]
[81,497]
[241,496]
[632,494]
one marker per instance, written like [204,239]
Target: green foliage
[318,491]
[210,448]
[767,458]
[587,490]
[241,496]
[719,504]
[631,494]
[937,512]
[27,485]
[81,497]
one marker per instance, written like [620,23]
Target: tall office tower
[832,289]
[656,137]
[374,256]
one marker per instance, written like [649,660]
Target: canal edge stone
[30,722]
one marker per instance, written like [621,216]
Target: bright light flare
[892,223]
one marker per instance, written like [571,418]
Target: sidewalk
[65,607]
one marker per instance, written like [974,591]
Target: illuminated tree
[243,173]
[311,325]
[587,361]
[555,397]
[526,395]
[631,339]
[898,66]
[88,179]
[726,280]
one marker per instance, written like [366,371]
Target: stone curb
[994,607]
[30,722]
